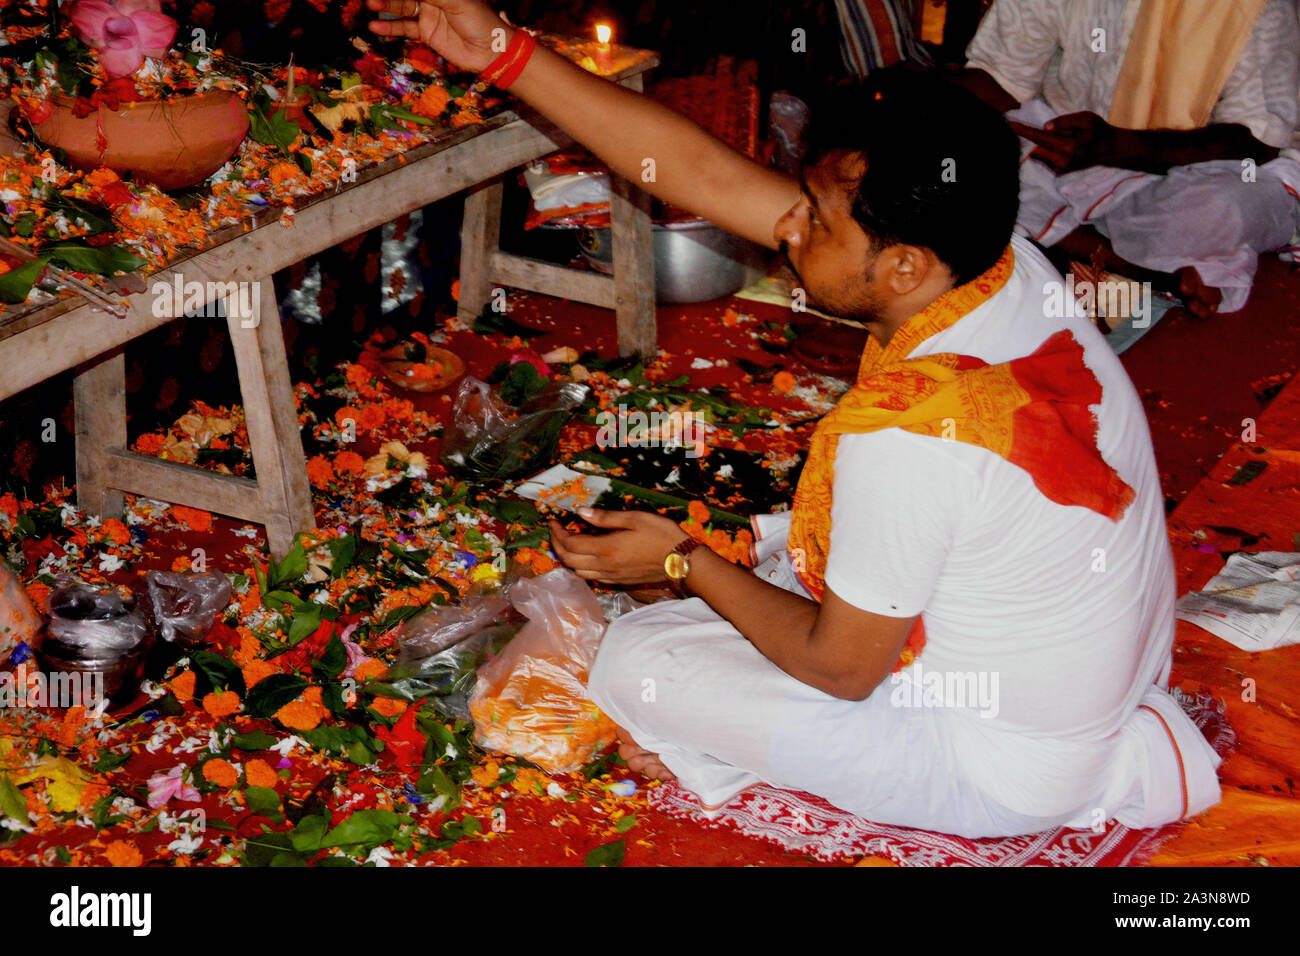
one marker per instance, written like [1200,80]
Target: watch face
[675,566]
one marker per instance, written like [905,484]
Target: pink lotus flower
[166,786]
[123,32]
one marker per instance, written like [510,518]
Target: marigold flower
[220,772]
[358,375]
[349,463]
[370,670]
[388,706]
[122,853]
[221,705]
[193,518]
[372,416]
[182,686]
[116,531]
[699,512]
[319,471]
[432,102]
[257,671]
[486,775]
[259,773]
[783,382]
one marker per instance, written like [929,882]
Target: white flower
[553,789]
[288,745]
[701,363]
[381,856]
[725,471]
[109,562]
[186,844]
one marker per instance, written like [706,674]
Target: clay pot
[399,371]
[172,143]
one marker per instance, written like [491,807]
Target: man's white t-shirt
[1071,611]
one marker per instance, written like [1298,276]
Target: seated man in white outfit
[983,506]
[1159,133]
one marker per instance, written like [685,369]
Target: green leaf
[607,854]
[104,260]
[304,624]
[625,823]
[306,837]
[343,549]
[364,828]
[256,740]
[109,762]
[221,672]
[101,815]
[332,662]
[293,567]
[274,130]
[16,284]
[264,799]
[272,693]
[12,801]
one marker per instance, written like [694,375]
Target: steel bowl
[695,261]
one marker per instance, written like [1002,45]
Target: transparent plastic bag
[441,649]
[19,619]
[531,699]
[91,624]
[491,439]
[185,605]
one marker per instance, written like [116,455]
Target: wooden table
[37,343]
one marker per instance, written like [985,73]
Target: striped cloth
[878,33]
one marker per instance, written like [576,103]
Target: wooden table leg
[99,397]
[479,238]
[272,419]
[634,268]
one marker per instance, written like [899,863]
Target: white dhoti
[1216,216]
[722,717]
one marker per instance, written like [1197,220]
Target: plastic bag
[531,699]
[489,438]
[185,605]
[93,624]
[19,619]
[441,649]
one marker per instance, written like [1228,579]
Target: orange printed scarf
[1032,411]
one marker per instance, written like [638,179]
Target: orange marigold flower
[257,671]
[182,563]
[116,531]
[221,772]
[282,172]
[122,853]
[783,382]
[399,409]
[372,416]
[319,471]
[38,592]
[260,774]
[698,512]
[305,713]
[193,518]
[347,413]
[182,686]
[369,670]
[250,601]
[358,375]
[432,102]
[221,705]
[9,505]
[349,463]
[388,706]
[151,444]
[486,775]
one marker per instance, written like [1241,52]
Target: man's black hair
[943,167]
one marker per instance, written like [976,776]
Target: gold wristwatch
[678,564]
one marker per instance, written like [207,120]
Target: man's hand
[459,30]
[1071,142]
[632,554]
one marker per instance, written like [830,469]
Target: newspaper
[1253,603]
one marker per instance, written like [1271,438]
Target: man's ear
[907,268]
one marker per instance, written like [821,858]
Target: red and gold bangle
[521,60]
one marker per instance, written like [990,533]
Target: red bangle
[521,61]
[499,65]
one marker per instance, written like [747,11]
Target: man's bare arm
[630,132]
[984,86]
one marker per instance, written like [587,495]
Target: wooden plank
[99,399]
[580,285]
[267,395]
[184,484]
[479,236]
[632,238]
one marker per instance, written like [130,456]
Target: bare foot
[1202,300]
[641,760]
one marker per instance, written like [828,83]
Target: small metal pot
[695,261]
[95,667]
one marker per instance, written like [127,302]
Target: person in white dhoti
[965,621]
[1160,135]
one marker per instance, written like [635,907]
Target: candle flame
[603,32]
